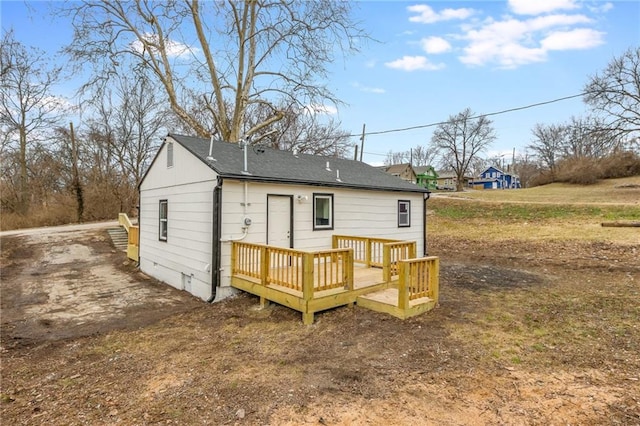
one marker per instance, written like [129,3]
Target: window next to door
[164,220]
[322,211]
[404,213]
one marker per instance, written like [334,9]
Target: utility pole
[362,144]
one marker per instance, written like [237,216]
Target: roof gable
[422,170]
[398,168]
[492,168]
[272,165]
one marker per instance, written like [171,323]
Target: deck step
[119,238]
[386,301]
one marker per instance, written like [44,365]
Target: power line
[423,126]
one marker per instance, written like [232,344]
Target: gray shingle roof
[272,165]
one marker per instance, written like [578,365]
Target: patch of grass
[480,220]
[609,191]
[458,209]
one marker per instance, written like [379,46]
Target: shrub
[581,171]
[620,164]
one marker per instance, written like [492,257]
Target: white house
[199,195]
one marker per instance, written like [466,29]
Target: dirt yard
[527,332]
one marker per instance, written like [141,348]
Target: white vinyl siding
[184,259]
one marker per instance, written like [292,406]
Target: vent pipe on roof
[338,176]
[210,156]
[244,142]
[328,167]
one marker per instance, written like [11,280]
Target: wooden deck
[311,282]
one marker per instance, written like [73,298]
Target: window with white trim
[163,220]
[404,213]
[322,211]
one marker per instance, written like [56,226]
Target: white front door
[279,219]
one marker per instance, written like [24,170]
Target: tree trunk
[23,199]
[76,177]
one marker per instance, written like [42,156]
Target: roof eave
[271,179]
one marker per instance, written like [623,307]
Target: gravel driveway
[69,281]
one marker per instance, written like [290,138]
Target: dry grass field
[538,324]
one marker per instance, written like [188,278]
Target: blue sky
[435,58]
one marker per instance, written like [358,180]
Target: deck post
[264,265]
[403,287]
[334,241]
[234,258]
[386,263]
[434,279]
[412,250]
[347,269]
[368,252]
[307,287]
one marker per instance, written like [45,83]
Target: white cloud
[414,63]
[426,15]
[537,7]
[175,49]
[435,45]
[549,21]
[513,42]
[601,8]
[57,103]
[580,38]
[368,89]
[320,109]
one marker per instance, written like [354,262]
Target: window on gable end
[170,154]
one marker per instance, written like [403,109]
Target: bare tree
[124,131]
[547,143]
[589,137]
[231,55]
[27,105]
[417,156]
[423,155]
[527,170]
[396,158]
[460,140]
[301,129]
[615,93]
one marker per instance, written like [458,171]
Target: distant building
[426,176]
[495,178]
[403,171]
[448,180]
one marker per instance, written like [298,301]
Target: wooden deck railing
[133,232]
[283,267]
[417,278]
[366,250]
[303,271]
[393,253]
